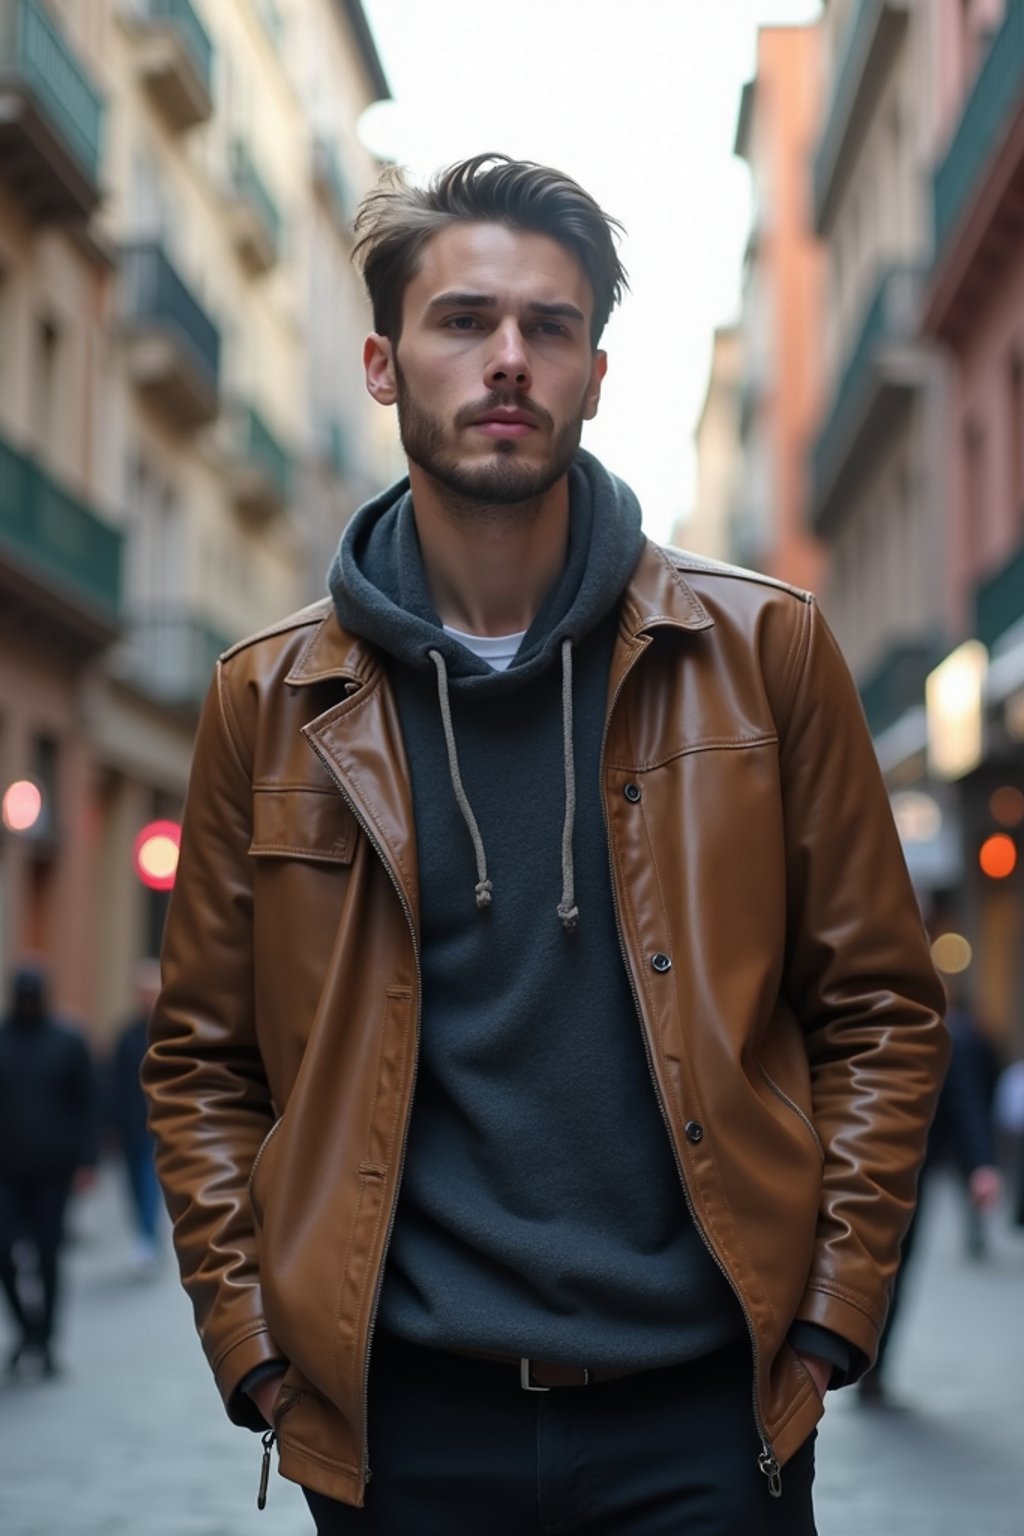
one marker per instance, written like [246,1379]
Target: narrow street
[131,1441]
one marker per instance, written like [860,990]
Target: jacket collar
[657,595]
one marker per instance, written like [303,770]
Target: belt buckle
[529,1385]
[524,1377]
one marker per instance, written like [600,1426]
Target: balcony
[51,117]
[883,371]
[174,57]
[170,656]
[258,469]
[978,188]
[57,556]
[332,185]
[255,223]
[999,600]
[896,683]
[174,346]
[874,31]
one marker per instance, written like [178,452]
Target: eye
[462,322]
[551,328]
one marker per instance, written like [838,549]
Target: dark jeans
[32,1212]
[457,1448]
[145,1191]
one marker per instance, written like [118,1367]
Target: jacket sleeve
[860,980]
[209,1103]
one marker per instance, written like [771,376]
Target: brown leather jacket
[794,1034]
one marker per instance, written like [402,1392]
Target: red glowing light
[156,854]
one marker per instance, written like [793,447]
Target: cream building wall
[706,531]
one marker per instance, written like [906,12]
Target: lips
[506,423]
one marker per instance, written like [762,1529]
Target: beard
[501,480]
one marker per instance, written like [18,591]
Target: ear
[379,366]
[598,369]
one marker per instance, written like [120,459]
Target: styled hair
[395,221]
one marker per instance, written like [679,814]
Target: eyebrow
[560,310]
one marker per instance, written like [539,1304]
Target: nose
[508,364]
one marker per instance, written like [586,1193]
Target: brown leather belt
[542,1375]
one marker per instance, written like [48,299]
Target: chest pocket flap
[302,822]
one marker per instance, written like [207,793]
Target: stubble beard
[502,487]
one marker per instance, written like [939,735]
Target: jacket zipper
[767,1461]
[375,845]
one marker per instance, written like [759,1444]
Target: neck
[489,566]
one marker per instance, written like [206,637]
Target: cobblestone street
[132,1439]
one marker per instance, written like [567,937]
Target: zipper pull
[768,1464]
[266,1441]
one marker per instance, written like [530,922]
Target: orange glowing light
[998,856]
[156,854]
[22,805]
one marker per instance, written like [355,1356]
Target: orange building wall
[789,93]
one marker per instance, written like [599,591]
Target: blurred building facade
[915,483]
[182,428]
[781,310]
[973,313]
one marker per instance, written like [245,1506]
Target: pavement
[131,1440]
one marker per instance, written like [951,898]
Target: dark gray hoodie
[541,1211]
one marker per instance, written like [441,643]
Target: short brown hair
[395,221]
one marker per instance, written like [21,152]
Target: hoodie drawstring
[568,912]
[483,885]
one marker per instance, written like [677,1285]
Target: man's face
[494,373]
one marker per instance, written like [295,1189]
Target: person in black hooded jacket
[47,1134]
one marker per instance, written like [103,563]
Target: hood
[380,590]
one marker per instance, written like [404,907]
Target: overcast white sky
[637,99]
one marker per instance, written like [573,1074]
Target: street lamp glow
[22,805]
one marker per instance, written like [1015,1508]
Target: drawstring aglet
[568,916]
[483,893]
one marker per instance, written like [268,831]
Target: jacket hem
[333,1479]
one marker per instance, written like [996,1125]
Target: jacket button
[661,962]
[632,793]
[694,1131]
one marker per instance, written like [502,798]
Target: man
[548,1035]
[47,1138]
[128,1116]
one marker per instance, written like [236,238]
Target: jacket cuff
[836,1318]
[234,1366]
[812,1339]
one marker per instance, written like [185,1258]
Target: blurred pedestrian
[961,1139]
[1009,1119]
[585,840]
[47,1137]
[128,1117]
